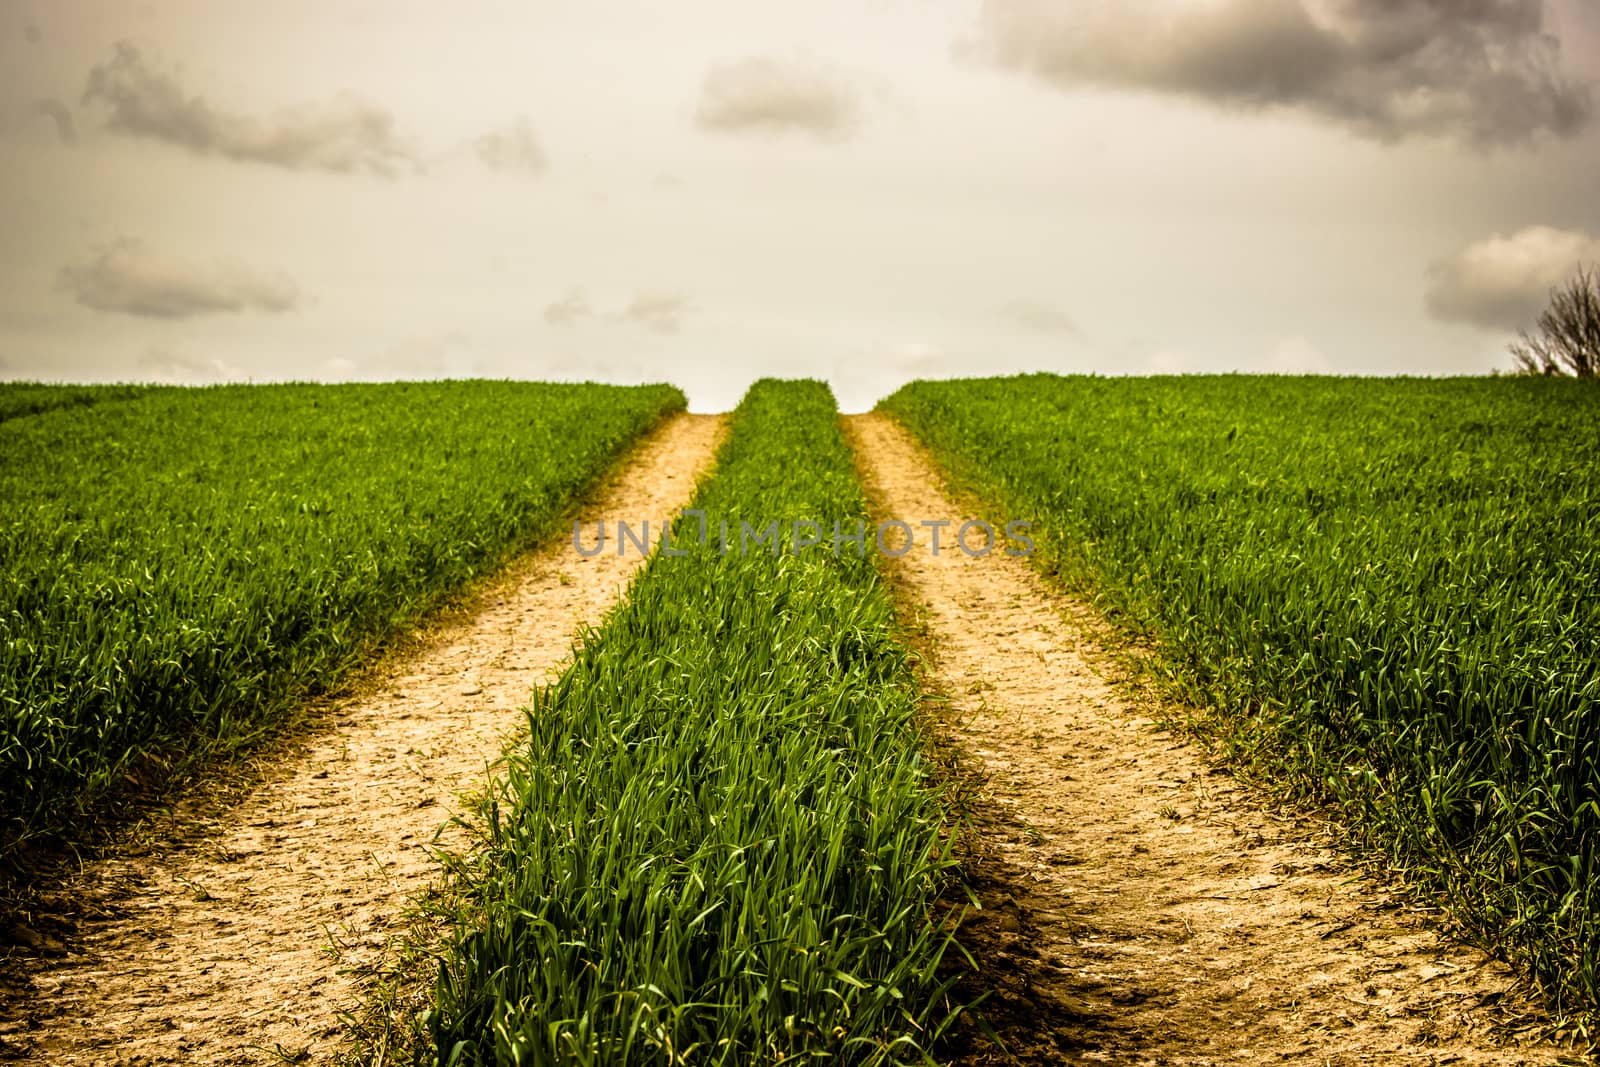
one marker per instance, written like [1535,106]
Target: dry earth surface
[1140,907]
[243,939]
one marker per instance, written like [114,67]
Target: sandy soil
[243,943]
[1140,908]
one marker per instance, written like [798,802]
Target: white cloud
[344,135]
[659,312]
[1297,355]
[766,96]
[1040,317]
[61,116]
[918,359]
[171,366]
[569,310]
[861,378]
[512,150]
[441,354]
[1504,281]
[1169,361]
[128,278]
[337,369]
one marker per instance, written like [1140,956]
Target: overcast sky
[709,192]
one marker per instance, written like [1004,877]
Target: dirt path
[1141,909]
[219,952]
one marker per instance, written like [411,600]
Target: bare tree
[1566,340]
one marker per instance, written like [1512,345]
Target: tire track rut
[1140,908]
[217,951]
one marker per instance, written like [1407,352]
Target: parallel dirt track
[217,950]
[1139,907]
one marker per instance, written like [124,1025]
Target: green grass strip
[721,841]
[1387,591]
[178,570]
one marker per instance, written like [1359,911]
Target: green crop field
[720,843]
[19,399]
[722,838]
[1387,592]
[178,565]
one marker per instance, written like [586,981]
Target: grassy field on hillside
[720,843]
[178,565]
[1386,591]
[20,399]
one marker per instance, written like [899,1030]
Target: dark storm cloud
[61,115]
[1502,283]
[345,135]
[1482,71]
[512,150]
[765,96]
[127,278]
